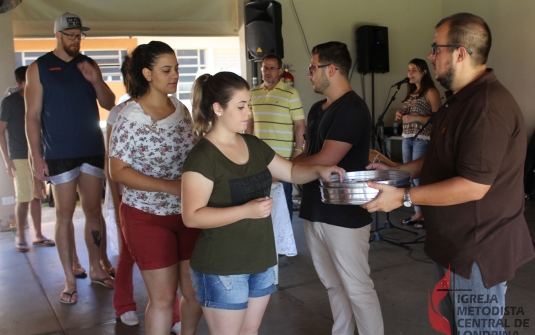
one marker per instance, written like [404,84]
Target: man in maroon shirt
[471,180]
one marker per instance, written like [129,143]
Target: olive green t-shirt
[246,246]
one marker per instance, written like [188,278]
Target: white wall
[411,29]
[512,55]
[7,79]
[410,33]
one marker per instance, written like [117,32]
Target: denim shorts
[231,292]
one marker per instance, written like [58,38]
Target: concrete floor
[30,284]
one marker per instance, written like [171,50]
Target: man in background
[18,166]
[62,90]
[277,116]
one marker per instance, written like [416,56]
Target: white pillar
[7,79]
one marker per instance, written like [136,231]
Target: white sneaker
[176,328]
[130,318]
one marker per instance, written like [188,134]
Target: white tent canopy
[35,18]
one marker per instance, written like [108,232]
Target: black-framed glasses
[272,69]
[434,47]
[72,37]
[311,68]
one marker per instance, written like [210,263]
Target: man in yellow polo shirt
[277,117]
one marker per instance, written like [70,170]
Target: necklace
[152,127]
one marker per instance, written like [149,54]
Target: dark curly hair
[144,56]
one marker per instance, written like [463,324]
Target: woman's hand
[399,114]
[325,172]
[407,118]
[258,208]
[174,187]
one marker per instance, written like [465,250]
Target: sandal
[110,271]
[420,225]
[103,282]
[22,246]
[79,273]
[45,242]
[408,221]
[70,301]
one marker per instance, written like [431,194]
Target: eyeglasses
[311,68]
[72,37]
[434,47]
[266,69]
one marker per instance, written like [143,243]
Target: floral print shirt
[154,148]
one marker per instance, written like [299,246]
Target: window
[190,62]
[109,61]
[27,57]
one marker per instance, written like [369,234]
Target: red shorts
[156,241]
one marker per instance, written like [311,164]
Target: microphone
[399,83]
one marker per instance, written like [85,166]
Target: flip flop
[102,282]
[110,271]
[420,225]
[69,302]
[22,246]
[408,221]
[45,242]
[79,273]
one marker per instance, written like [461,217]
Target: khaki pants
[23,181]
[340,256]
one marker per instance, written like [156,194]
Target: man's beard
[323,84]
[446,79]
[69,51]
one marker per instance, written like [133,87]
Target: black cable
[352,70]
[431,120]
[363,88]
[387,97]
[300,26]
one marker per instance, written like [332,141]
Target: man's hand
[388,198]
[377,166]
[10,168]
[40,168]
[90,73]
[39,189]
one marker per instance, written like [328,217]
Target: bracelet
[298,150]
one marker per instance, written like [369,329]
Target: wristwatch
[407,198]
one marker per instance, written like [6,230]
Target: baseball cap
[68,21]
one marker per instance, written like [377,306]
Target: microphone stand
[430,121]
[378,132]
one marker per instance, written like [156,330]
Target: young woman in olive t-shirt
[225,191]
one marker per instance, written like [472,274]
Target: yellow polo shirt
[274,112]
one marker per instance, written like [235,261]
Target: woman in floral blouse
[149,143]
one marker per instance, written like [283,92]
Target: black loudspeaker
[372,49]
[263,29]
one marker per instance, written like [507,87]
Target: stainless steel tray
[353,190]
